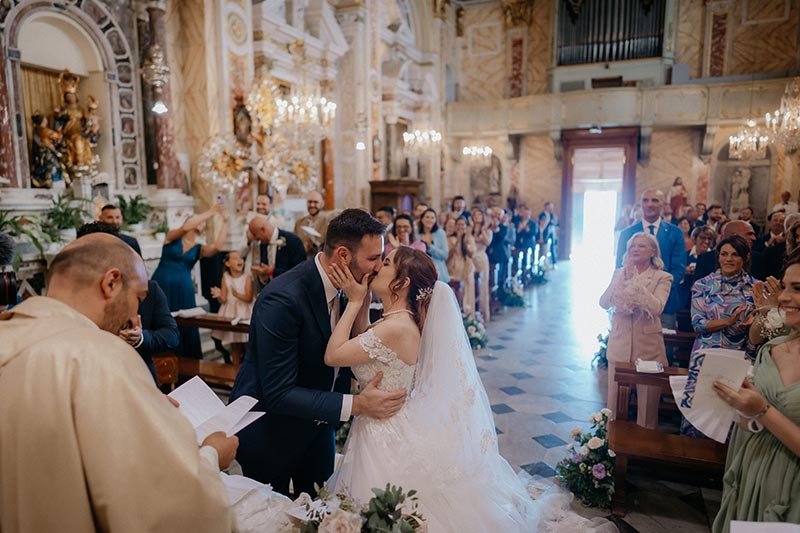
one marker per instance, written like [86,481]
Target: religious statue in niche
[66,151]
[740,190]
[46,153]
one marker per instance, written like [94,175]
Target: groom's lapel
[315,295]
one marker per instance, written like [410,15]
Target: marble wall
[691,27]
[540,47]
[539,172]
[483,64]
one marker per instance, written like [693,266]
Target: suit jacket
[159,330]
[673,253]
[284,367]
[286,257]
[638,334]
[132,242]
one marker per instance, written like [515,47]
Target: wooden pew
[630,441]
[681,343]
[211,372]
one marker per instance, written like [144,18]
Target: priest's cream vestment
[86,442]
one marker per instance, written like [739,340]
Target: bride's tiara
[424,293]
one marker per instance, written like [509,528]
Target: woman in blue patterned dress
[174,273]
[722,305]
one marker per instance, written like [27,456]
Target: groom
[284,367]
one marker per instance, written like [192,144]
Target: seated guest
[402,234]
[90,444]
[746,214]
[707,262]
[153,330]
[763,465]
[722,305]
[316,220]
[111,214]
[278,252]
[179,254]
[460,267]
[435,242]
[702,237]
[774,235]
[636,295]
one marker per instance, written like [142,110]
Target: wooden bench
[630,441]
[681,343]
[209,371]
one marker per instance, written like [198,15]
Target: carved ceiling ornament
[518,13]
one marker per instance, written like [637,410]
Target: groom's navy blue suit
[284,370]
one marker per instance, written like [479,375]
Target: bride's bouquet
[589,470]
[390,510]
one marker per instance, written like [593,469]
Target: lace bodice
[396,374]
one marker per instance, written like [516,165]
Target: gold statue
[80,130]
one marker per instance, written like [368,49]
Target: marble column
[168,171]
[7,167]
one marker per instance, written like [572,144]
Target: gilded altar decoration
[518,13]
[223,164]
[261,103]
[67,150]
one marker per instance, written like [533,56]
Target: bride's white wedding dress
[442,443]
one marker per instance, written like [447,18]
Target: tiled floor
[538,374]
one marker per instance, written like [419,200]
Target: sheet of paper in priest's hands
[206,412]
[738,526]
[695,394]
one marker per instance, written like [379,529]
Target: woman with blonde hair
[636,297]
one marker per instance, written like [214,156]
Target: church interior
[170,110]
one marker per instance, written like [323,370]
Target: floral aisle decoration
[390,511]
[513,293]
[589,470]
[601,356]
[476,331]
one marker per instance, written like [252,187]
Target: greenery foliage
[600,357]
[513,293]
[134,209]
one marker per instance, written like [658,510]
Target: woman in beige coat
[636,296]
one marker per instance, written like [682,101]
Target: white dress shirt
[646,225]
[331,296]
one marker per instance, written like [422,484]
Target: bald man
[279,251]
[317,220]
[670,242]
[86,442]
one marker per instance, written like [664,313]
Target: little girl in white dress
[236,297]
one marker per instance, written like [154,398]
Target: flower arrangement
[589,471]
[513,293]
[773,323]
[476,331]
[384,513]
[600,356]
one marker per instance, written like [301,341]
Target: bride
[442,443]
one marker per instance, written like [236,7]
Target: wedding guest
[722,306]
[526,231]
[458,208]
[90,444]
[702,216]
[499,250]
[482,235]
[8,279]
[460,267]
[402,234]
[419,210]
[235,293]
[179,254]
[666,213]
[278,252]
[746,214]
[686,228]
[637,213]
[707,262]
[625,219]
[385,216]
[774,236]
[691,215]
[111,214]
[316,220]
[636,295]
[671,246]
[762,470]
[786,204]
[542,233]
[702,239]
[714,217]
[550,209]
[435,242]
[773,257]
[152,330]
[449,226]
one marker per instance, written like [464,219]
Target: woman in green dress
[762,478]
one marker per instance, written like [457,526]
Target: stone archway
[122,124]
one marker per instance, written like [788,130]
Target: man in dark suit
[112,214]
[284,366]
[280,251]
[503,238]
[670,242]
[746,214]
[708,262]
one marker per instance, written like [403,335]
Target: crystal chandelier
[748,143]
[478,154]
[784,123]
[421,144]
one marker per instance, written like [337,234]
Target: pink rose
[599,471]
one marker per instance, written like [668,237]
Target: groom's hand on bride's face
[376,403]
